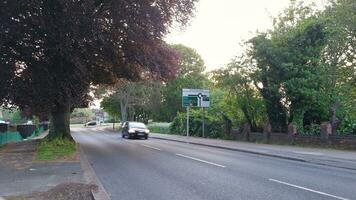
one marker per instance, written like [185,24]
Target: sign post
[188,121]
[198,98]
[203,121]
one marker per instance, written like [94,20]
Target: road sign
[195,98]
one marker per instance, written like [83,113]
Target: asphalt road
[160,170]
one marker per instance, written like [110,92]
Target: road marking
[197,159]
[309,153]
[307,189]
[151,147]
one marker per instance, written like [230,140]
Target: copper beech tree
[52,51]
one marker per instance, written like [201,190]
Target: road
[159,170]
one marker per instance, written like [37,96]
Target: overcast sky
[219,26]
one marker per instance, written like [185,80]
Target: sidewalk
[329,157]
[21,175]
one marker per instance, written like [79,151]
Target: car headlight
[131,131]
[147,131]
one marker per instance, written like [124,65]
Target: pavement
[322,156]
[163,167]
[22,176]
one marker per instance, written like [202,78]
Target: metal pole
[203,125]
[187,121]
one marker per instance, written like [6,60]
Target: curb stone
[90,176]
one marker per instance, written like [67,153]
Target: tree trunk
[60,120]
[334,120]
[123,109]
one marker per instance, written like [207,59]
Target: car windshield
[137,125]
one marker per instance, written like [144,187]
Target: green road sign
[195,98]
[190,101]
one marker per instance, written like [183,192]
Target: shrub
[161,127]
[312,130]
[348,126]
[213,125]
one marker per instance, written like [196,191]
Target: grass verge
[49,150]
[159,127]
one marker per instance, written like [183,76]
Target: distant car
[91,123]
[135,130]
[3,122]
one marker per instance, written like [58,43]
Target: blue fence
[14,136]
[9,136]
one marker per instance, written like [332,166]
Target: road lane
[314,176]
[129,169]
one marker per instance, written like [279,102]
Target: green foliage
[13,115]
[242,94]
[82,112]
[213,124]
[51,149]
[312,129]
[133,101]
[348,126]
[159,127]
[289,70]
[190,76]
[111,105]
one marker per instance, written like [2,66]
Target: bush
[311,130]
[348,126]
[213,125]
[161,127]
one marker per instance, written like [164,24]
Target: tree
[339,59]
[236,78]
[133,100]
[52,51]
[190,75]
[289,69]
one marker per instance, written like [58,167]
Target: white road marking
[151,147]
[197,159]
[309,153]
[307,189]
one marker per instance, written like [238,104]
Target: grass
[159,127]
[49,150]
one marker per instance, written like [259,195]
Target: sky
[219,27]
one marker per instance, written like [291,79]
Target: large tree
[288,71]
[133,100]
[190,75]
[52,51]
[236,78]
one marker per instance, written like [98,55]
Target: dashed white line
[309,153]
[197,159]
[307,189]
[151,147]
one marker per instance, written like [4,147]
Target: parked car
[134,130]
[91,123]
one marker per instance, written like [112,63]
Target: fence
[325,138]
[9,136]
[16,136]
